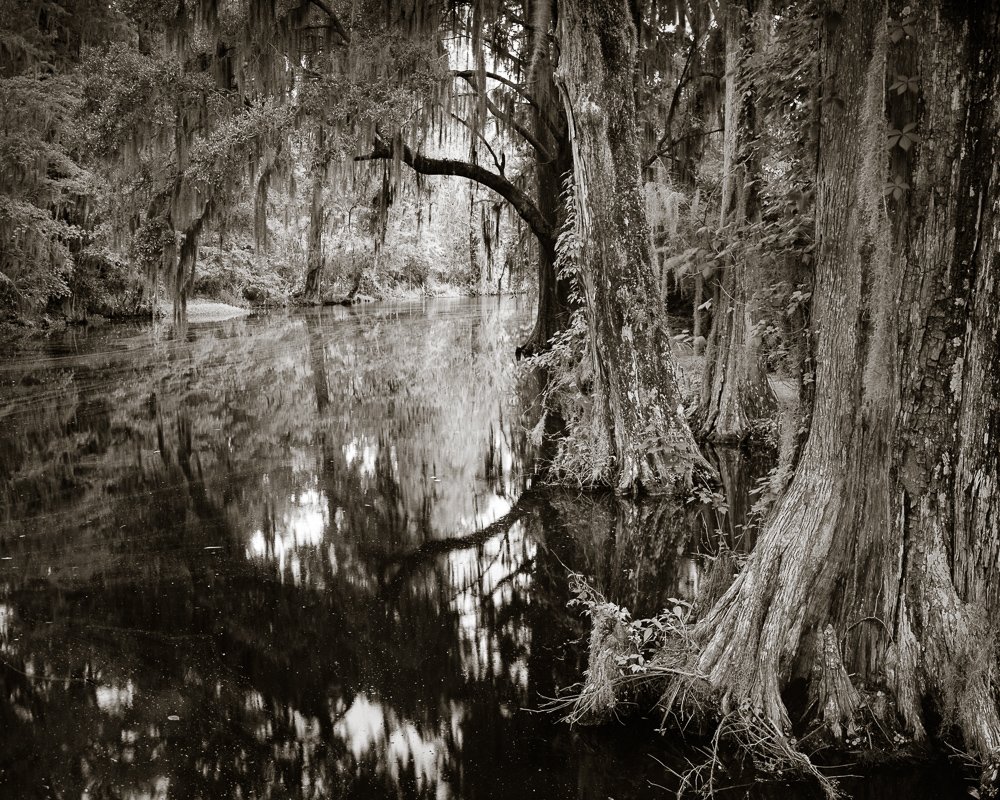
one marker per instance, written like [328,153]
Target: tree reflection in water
[287,558]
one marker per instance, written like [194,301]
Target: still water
[283,558]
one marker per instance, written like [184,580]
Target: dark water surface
[282,559]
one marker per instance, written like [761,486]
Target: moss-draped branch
[521,202]
[335,22]
[497,112]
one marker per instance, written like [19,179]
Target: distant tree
[565,87]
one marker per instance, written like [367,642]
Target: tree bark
[553,160]
[889,530]
[317,219]
[698,316]
[650,442]
[734,388]
[553,294]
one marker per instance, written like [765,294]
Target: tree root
[770,752]
[615,667]
[722,672]
[989,776]
[832,691]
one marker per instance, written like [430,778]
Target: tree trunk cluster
[886,544]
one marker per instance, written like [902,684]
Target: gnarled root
[836,698]
[989,776]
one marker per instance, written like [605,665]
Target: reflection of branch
[46,678]
[206,509]
[408,563]
[510,577]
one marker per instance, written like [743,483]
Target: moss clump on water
[610,646]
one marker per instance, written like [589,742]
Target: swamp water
[281,558]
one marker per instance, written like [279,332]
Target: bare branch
[481,138]
[517,87]
[665,143]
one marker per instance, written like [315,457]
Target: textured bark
[651,444]
[317,222]
[735,392]
[553,294]
[698,316]
[549,125]
[888,532]
[734,387]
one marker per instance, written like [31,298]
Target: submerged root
[744,735]
[674,466]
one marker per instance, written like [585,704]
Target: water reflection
[288,558]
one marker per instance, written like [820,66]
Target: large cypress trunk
[651,444]
[887,538]
[735,392]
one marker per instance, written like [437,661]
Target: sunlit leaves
[131,98]
[45,193]
[35,260]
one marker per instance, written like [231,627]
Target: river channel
[283,557]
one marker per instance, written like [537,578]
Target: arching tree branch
[335,22]
[517,87]
[521,202]
[497,112]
